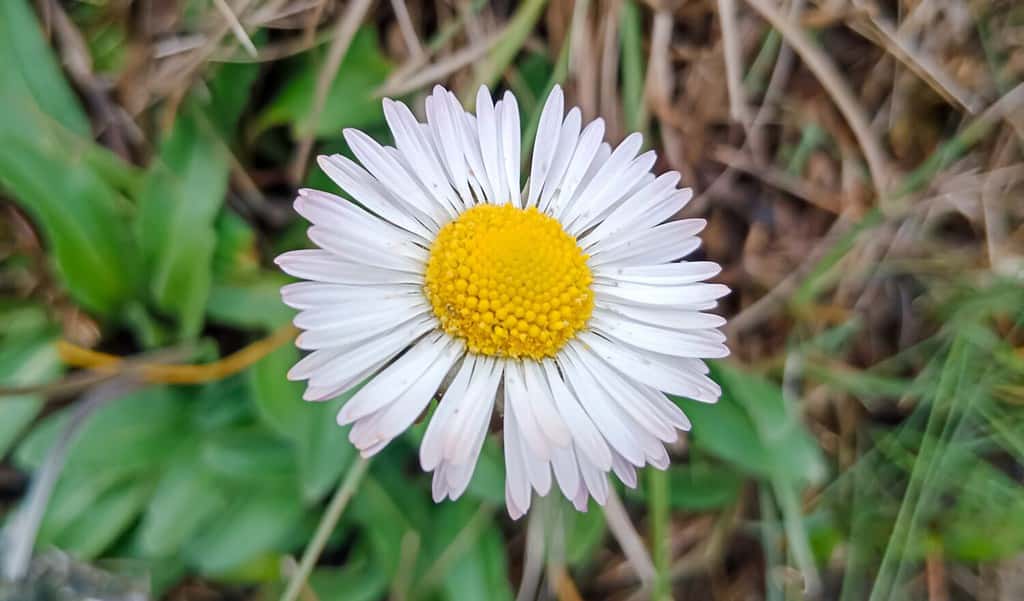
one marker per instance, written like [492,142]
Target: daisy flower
[563,305]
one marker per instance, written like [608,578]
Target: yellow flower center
[509,281]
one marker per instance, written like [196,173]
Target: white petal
[635,242]
[510,145]
[690,343]
[688,296]
[472,413]
[644,367]
[346,367]
[446,124]
[600,408]
[338,213]
[612,192]
[360,329]
[665,317]
[364,250]
[432,446]
[312,295]
[568,137]
[390,421]
[567,472]
[633,208]
[322,266]
[608,180]
[517,483]
[630,400]
[585,434]
[529,424]
[419,155]
[595,480]
[372,194]
[404,186]
[542,405]
[583,155]
[545,143]
[490,145]
[671,274]
[411,368]
[625,471]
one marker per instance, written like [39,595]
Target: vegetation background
[860,165]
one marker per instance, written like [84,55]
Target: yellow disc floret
[509,281]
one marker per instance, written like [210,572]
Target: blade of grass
[505,49]
[631,33]
[658,515]
[325,528]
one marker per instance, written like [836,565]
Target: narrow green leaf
[350,99]
[184,190]
[22,365]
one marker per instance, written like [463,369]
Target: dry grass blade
[883,34]
[733,62]
[236,27]
[837,87]
[412,41]
[409,80]
[629,539]
[344,30]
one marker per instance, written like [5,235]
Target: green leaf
[387,509]
[141,430]
[83,218]
[184,190]
[702,487]
[322,448]
[257,522]
[325,452]
[987,523]
[350,100]
[584,532]
[481,572]
[357,580]
[253,304]
[753,428]
[186,498]
[28,68]
[22,365]
[107,518]
[249,455]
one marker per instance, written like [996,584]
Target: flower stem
[324,529]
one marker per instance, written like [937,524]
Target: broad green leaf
[322,447]
[255,523]
[325,452]
[22,365]
[386,513]
[186,497]
[83,219]
[29,68]
[107,518]
[753,428]
[357,580]
[253,304]
[249,455]
[184,190]
[141,430]
[235,255]
[701,487]
[230,93]
[350,100]
[481,572]
[278,399]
